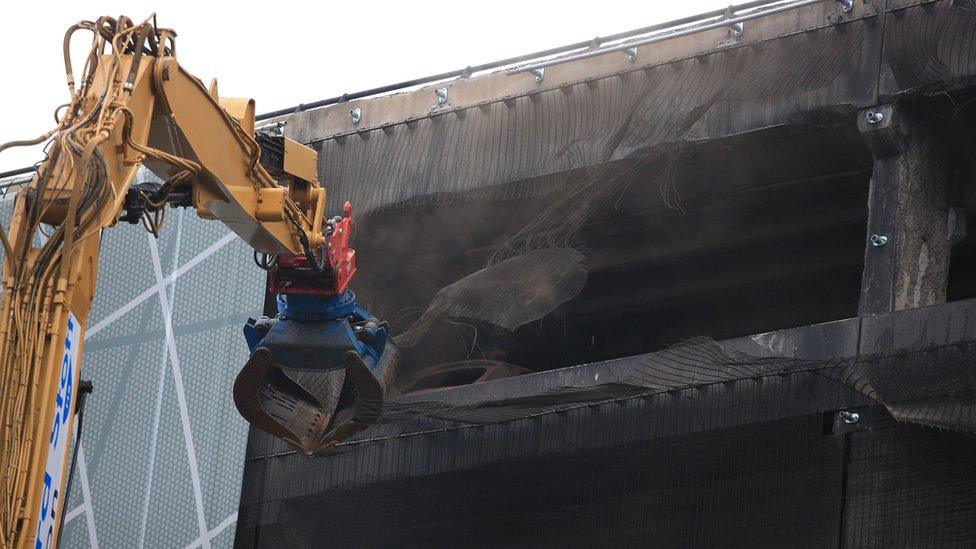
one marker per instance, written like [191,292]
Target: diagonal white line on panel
[231,519]
[75,513]
[86,506]
[180,390]
[161,283]
[86,496]
[158,407]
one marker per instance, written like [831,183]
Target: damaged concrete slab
[811,382]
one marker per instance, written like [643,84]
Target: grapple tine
[270,400]
[371,380]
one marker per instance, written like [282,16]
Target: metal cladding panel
[745,463]
[773,485]
[823,73]
[928,47]
[910,487]
[162,446]
[772,457]
[782,483]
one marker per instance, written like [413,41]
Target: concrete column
[911,224]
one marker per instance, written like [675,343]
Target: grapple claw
[318,373]
[271,401]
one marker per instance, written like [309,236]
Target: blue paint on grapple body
[313,332]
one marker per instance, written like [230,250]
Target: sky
[282,53]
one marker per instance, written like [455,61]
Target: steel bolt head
[875,117]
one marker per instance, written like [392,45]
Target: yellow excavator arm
[134,105]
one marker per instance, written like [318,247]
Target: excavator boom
[133,105]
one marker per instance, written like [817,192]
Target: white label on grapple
[58,440]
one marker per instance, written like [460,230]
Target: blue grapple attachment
[318,371]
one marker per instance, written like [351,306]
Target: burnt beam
[906,260]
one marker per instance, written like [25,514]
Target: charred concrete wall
[818,168]
[714,186]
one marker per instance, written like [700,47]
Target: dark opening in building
[728,238]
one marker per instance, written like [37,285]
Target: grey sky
[283,53]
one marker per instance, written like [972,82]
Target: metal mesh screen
[696,446]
